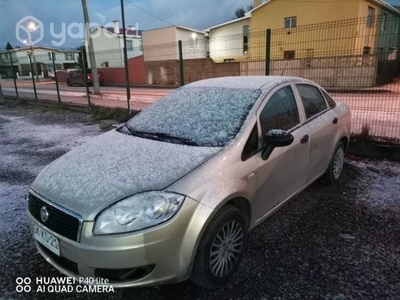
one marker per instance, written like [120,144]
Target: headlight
[138,212]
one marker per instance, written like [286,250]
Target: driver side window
[280,112]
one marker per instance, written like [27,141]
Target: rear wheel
[334,171]
[220,249]
[69,83]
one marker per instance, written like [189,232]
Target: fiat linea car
[173,193]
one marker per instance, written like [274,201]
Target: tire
[228,225]
[83,82]
[69,82]
[335,168]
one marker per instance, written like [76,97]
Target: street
[337,242]
[380,111]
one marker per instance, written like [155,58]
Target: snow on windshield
[208,116]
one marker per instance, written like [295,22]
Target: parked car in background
[174,192]
[77,77]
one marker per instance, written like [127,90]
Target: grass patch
[105,113]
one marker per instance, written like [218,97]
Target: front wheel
[332,174]
[220,249]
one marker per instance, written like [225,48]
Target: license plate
[46,239]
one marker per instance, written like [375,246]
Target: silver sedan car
[173,193]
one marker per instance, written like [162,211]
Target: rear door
[322,127]
[283,173]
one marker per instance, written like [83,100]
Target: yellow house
[318,28]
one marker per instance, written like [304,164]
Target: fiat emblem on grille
[44,214]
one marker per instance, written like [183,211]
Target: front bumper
[164,252]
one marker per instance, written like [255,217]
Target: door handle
[305,139]
[335,121]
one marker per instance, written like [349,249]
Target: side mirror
[278,138]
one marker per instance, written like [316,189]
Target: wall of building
[194,44]
[338,32]
[167,72]
[160,44]
[109,48]
[116,76]
[226,42]
[331,72]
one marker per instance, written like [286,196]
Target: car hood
[112,167]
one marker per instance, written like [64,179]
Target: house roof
[39,47]
[121,31]
[381,3]
[180,27]
[227,23]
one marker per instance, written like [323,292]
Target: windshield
[205,116]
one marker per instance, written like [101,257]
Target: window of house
[129,45]
[280,112]
[366,50]
[105,64]
[50,55]
[312,99]
[246,39]
[289,54]
[194,43]
[69,56]
[291,22]
[370,17]
[384,22]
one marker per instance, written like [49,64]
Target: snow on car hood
[112,167]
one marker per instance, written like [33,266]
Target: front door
[284,172]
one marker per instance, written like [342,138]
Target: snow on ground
[379,180]
[330,242]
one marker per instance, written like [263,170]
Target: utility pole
[128,87]
[92,58]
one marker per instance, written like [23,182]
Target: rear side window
[313,101]
[280,112]
[329,99]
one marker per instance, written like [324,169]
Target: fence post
[32,75]
[1,91]
[55,76]
[268,52]
[13,73]
[84,64]
[181,74]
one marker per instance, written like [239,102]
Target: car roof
[247,82]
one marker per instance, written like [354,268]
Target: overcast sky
[198,14]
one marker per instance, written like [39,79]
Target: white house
[230,41]
[162,43]
[108,44]
[64,60]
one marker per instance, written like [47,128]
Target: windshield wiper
[160,136]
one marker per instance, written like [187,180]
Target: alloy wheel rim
[338,163]
[226,249]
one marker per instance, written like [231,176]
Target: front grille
[61,261]
[59,221]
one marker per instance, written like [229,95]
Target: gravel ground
[340,242]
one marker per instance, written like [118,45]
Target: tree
[240,12]
[80,59]
[9,47]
